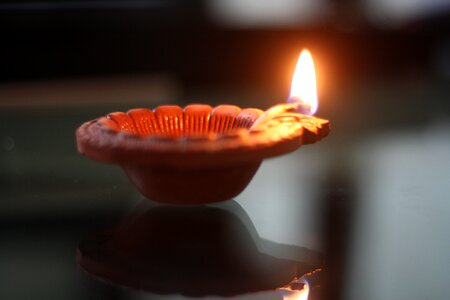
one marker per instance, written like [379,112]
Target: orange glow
[304,86]
[290,293]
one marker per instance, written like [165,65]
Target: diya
[200,154]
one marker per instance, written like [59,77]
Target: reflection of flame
[298,289]
[303,86]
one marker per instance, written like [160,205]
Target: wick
[300,106]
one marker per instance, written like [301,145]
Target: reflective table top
[364,216]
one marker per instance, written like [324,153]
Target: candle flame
[298,289]
[303,86]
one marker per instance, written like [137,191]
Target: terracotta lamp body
[197,154]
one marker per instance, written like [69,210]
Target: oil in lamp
[203,154]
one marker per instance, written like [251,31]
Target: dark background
[54,40]
[381,178]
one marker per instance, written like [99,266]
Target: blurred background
[373,196]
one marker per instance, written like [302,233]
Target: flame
[293,292]
[303,86]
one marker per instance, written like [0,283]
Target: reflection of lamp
[194,251]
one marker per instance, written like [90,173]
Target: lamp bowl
[196,154]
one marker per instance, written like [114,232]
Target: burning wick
[303,97]
[298,289]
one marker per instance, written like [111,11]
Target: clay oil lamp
[202,154]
